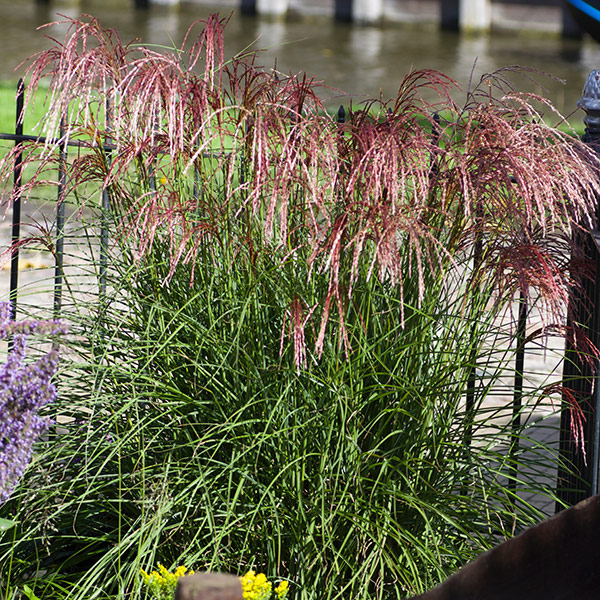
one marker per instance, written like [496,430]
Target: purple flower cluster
[25,387]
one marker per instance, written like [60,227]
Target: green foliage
[29,593]
[6,524]
[34,114]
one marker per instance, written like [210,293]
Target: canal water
[356,62]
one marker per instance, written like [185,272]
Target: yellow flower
[255,587]
[282,589]
[161,584]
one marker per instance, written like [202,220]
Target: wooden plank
[209,586]
[555,560]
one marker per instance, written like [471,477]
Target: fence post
[577,473]
[475,15]
[570,28]
[449,10]
[272,8]
[105,215]
[209,586]
[365,12]
[518,388]
[343,11]
[16,203]
[60,220]
[466,15]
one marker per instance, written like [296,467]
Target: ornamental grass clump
[201,142]
[298,357]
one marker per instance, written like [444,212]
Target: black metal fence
[579,477]
[63,142]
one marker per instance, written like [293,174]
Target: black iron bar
[436,132]
[472,376]
[104,225]
[577,475]
[104,244]
[40,139]
[518,388]
[16,204]
[60,223]
[596,397]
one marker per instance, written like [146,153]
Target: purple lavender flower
[25,387]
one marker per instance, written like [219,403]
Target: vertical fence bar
[518,387]
[104,225]
[436,132]
[573,475]
[596,400]
[60,220]
[243,159]
[152,180]
[472,377]
[16,203]
[104,222]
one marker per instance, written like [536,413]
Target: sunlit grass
[8,93]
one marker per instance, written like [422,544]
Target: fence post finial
[590,103]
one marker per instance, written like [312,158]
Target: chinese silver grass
[304,314]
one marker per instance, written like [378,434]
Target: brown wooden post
[555,560]
[209,586]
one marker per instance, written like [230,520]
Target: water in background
[361,61]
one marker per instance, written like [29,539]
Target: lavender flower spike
[25,387]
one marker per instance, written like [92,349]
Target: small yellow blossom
[255,587]
[282,589]
[161,584]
